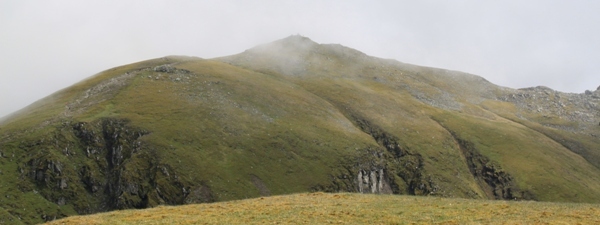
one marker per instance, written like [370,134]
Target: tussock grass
[346,208]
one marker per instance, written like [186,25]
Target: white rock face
[373,182]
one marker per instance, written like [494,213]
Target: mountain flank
[287,117]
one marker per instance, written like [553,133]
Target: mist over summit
[292,116]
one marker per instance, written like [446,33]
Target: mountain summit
[292,116]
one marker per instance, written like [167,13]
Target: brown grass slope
[346,208]
[286,117]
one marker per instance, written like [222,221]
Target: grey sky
[48,45]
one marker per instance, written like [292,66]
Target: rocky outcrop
[98,93]
[400,161]
[373,182]
[595,94]
[112,165]
[492,179]
[170,69]
[436,97]
[166,68]
[551,105]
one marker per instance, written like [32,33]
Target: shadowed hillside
[292,116]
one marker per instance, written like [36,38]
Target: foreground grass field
[347,208]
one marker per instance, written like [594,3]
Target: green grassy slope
[285,117]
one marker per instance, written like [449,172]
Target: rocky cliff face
[102,165]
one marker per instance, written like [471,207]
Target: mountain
[286,117]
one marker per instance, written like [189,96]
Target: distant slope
[292,116]
[345,208]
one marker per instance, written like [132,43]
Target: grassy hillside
[287,117]
[346,208]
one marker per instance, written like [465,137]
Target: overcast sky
[49,45]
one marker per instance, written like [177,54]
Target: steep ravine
[108,161]
[406,164]
[495,182]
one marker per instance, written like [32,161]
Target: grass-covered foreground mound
[347,208]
